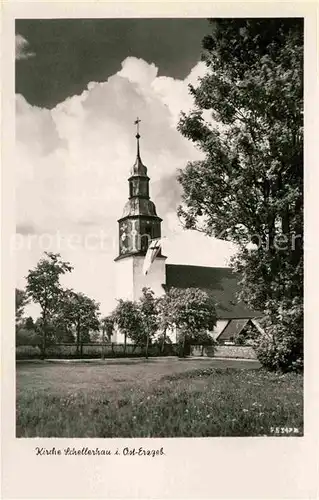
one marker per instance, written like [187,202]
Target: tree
[203,338]
[164,320]
[44,288]
[191,311]
[107,325]
[81,312]
[21,300]
[96,337]
[54,332]
[61,330]
[27,333]
[249,184]
[29,323]
[164,343]
[127,316]
[149,316]
[26,336]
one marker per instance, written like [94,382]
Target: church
[138,226]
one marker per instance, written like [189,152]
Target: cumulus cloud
[72,165]
[22,48]
[175,93]
[138,71]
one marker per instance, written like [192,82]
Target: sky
[80,84]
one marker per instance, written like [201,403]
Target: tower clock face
[123,230]
[124,238]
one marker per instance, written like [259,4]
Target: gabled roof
[220,282]
[234,327]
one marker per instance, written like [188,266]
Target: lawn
[156,398]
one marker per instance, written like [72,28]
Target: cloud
[72,165]
[22,48]
[138,71]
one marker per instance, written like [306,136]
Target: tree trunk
[184,343]
[44,335]
[43,347]
[125,338]
[103,341]
[78,339]
[81,346]
[182,347]
[163,341]
[147,344]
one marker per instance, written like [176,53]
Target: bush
[283,353]
[25,337]
[28,352]
[91,351]
[282,346]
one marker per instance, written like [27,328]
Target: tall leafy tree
[107,325]
[62,331]
[26,333]
[127,317]
[21,300]
[192,311]
[164,319]
[44,288]
[81,312]
[29,323]
[248,123]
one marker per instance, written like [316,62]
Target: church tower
[138,225]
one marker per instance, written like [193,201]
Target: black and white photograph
[159,250]
[159,227]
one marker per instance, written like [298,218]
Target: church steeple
[139,222]
[138,156]
[139,181]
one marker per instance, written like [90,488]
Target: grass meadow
[156,398]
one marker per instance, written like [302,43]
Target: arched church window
[145,241]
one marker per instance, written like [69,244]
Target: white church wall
[130,279]
[130,282]
[124,288]
[154,279]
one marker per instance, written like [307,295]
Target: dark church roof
[220,282]
[139,206]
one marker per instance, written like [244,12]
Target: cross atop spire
[137,123]
[138,167]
